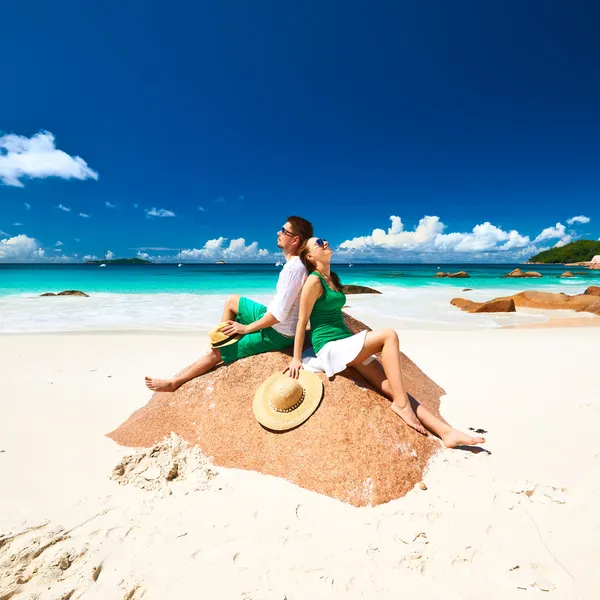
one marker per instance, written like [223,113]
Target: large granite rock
[519,273]
[66,293]
[493,306]
[567,274]
[353,448]
[457,275]
[587,302]
[358,289]
[593,290]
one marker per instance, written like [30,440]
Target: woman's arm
[310,293]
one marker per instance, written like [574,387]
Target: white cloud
[20,248]
[59,243]
[27,205]
[110,205]
[551,233]
[76,239]
[135,205]
[202,209]
[565,240]
[580,219]
[143,255]
[109,255]
[63,207]
[84,215]
[90,257]
[159,212]
[4,233]
[57,250]
[220,249]
[430,241]
[37,158]
[17,224]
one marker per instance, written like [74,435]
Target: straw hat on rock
[218,339]
[282,403]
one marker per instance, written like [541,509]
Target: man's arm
[289,287]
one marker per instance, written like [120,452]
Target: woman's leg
[386,341]
[375,375]
[204,364]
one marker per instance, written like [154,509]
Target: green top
[326,320]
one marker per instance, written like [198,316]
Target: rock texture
[353,448]
[358,289]
[519,273]
[586,302]
[458,274]
[497,305]
[66,293]
[567,274]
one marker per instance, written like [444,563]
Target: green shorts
[264,340]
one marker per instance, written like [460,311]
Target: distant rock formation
[567,274]
[493,306]
[586,302]
[358,289]
[353,448]
[519,273]
[66,293]
[458,274]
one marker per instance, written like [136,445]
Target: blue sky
[405,131]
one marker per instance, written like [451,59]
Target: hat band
[217,344]
[291,408]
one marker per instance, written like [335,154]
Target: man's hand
[294,368]
[234,328]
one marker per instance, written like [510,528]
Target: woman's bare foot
[455,438]
[408,416]
[160,385]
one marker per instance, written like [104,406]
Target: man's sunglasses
[320,242]
[284,231]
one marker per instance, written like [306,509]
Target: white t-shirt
[285,306]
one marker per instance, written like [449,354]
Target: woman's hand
[294,368]
[234,328]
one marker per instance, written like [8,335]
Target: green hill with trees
[579,251]
[119,261]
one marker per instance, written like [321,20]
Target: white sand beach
[515,521]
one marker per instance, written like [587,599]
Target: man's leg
[204,364]
[231,308]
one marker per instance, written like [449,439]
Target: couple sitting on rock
[308,289]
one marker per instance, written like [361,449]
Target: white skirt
[335,356]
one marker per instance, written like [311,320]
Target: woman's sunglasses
[320,242]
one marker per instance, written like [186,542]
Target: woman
[337,348]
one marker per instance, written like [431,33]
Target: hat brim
[268,417]
[227,342]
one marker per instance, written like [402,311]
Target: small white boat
[102,265]
[349,264]
[279,264]
[180,264]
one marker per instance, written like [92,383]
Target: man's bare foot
[160,385]
[456,438]
[408,416]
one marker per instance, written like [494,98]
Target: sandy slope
[524,516]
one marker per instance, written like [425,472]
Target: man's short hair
[301,227]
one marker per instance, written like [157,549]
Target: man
[264,328]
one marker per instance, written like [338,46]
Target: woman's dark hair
[310,267]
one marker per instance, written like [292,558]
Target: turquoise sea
[190,298]
[261,278]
